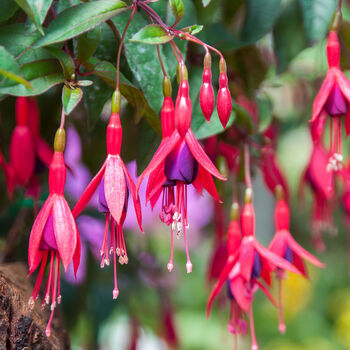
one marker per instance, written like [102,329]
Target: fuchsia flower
[206,93]
[28,151]
[247,262]
[179,161]
[333,101]
[224,102]
[114,183]
[54,233]
[320,182]
[284,245]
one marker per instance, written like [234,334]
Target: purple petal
[257,266]
[102,202]
[81,273]
[288,255]
[72,154]
[180,165]
[336,103]
[48,240]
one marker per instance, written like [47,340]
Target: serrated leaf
[42,75]
[152,34]
[177,8]
[10,72]
[194,29]
[79,19]
[66,61]
[71,98]
[317,16]
[87,44]
[260,18]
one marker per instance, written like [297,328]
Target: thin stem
[63,118]
[161,61]
[339,5]
[121,45]
[174,50]
[247,176]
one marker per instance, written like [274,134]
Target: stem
[174,50]
[63,118]
[339,5]
[161,62]
[121,45]
[247,177]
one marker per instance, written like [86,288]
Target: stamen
[281,324]
[252,329]
[39,279]
[48,285]
[104,249]
[115,290]
[170,265]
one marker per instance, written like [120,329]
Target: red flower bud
[333,49]
[22,154]
[282,215]
[183,108]
[168,117]
[206,95]
[224,102]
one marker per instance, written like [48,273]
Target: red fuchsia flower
[333,101]
[319,180]
[240,288]
[54,233]
[29,153]
[224,101]
[206,94]
[184,162]
[114,182]
[285,246]
[22,150]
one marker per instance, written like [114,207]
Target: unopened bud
[234,211]
[60,140]
[116,100]
[279,192]
[167,89]
[248,195]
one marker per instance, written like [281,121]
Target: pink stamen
[252,329]
[104,249]
[170,265]
[281,324]
[48,285]
[115,290]
[54,291]
[39,279]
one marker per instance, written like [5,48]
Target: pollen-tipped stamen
[170,265]
[104,249]
[252,329]
[46,299]
[115,290]
[281,324]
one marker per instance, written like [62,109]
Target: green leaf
[107,72]
[71,98]
[42,75]
[8,9]
[152,34]
[177,8]
[65,60]
[243,118]
[317,16]
[79,19]
[10,70]
[206,2]
[288,35]
[194,29]
[87,44]
[265,112]
[259,20]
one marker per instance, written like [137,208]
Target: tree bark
[21,327]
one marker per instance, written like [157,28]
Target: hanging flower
[183,161]
[320,182]
[54,234]
[114,183]
[284,245]
[333,101]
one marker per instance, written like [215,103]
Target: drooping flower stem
[247,176]
[121,46]
[161,62]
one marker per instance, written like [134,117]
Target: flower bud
[206,94]
[224,102]
[333,49]
[248,215]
